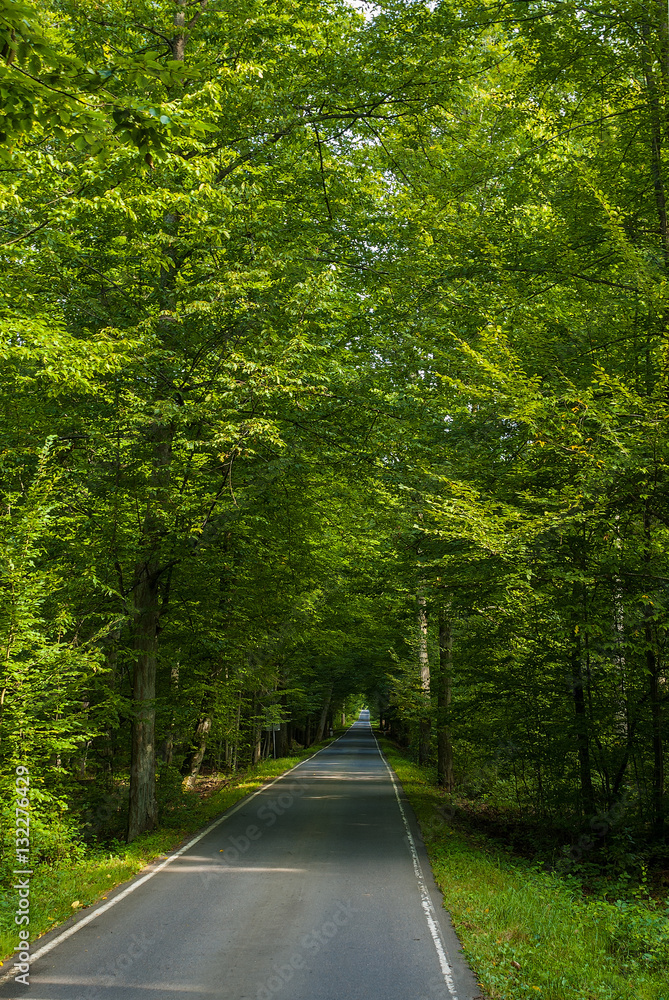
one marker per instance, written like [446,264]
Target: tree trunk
[582,740]
[202,737]
[110,646]
[143,809]
[320,729]
[658,749]
[653,670]
[424,667]
[256,753]
[281,740]
[235,754]
[444,687]
[657,128]
[168,747]
[142,813]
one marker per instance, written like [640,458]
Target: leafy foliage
[346,335]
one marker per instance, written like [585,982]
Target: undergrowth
[528,932]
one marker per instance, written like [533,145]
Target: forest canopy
[335,369]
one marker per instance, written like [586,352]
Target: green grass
[530,933]
[61,889]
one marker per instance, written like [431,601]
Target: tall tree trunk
[444,690]
[110,646]
[203,729]
[582,738]
[652,665]
[653,671]
[320,729]
[235,754]
[202,738]
[256,752]
[424,668]
[143,810]
[282,740]
[658,131]
[657,126]
[168,749]
[256,728]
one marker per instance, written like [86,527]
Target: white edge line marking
[94,914]
[426,902]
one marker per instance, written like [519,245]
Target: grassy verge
[530,933]
[58,890]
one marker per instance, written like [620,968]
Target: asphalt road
[315,888]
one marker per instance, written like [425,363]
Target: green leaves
[323,308]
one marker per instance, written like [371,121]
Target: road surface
[314,888]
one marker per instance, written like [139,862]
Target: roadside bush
[635,933]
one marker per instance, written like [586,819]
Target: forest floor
[65,884]
[528,931]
